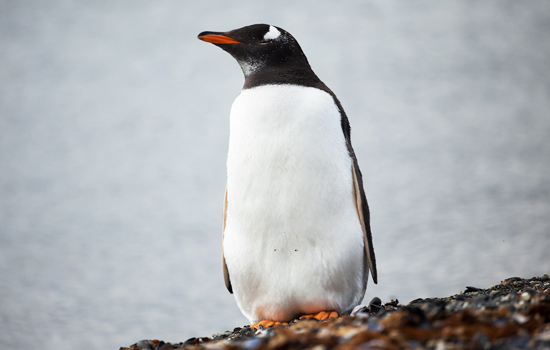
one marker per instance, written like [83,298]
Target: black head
[265,53]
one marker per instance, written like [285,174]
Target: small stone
[470,289]
[166,346]
[461,298]
[519,318]
[359,309]
[253,343]
[191,341]
[513,279]
[480,339]
[262,332]
[144,344]
[319,347]
[544,336]
[375,305]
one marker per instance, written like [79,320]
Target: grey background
[113,137]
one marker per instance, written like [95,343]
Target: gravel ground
[512,315]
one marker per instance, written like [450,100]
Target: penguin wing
[225,271]
[359,193]
[364,217]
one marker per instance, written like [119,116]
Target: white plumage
[293,242]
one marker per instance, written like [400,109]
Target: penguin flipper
[364,218]
[225,271]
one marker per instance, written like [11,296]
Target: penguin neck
[297,75]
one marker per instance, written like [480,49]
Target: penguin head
[259,46]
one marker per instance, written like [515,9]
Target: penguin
[296,239]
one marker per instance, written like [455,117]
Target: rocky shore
[514,314]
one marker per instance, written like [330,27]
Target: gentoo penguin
[296,226]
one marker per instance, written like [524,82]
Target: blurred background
[114,132]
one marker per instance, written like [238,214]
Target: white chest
[286,136]
[293,241]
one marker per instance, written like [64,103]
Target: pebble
[375,305]
[544,336]
[358,309]
[470,289]
[145,344]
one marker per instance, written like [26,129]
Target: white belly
[293,243]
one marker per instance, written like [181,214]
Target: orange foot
[323,315]
[267,324]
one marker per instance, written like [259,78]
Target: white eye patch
[273,33]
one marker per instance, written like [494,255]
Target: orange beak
[218,39]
